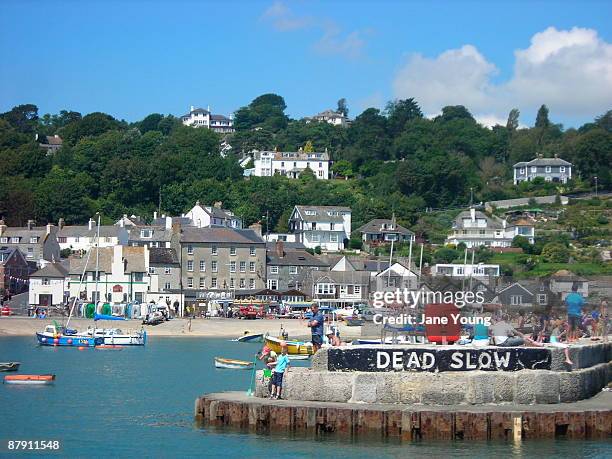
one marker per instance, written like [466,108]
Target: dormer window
[146,233]
[310,212]
[33,240]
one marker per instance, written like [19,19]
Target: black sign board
[433,360]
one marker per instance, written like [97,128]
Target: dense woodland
[394,160]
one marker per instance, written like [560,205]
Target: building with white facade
[328,227]
[206,216]
[465,270]
[49,286]
[83,238]
[475,228]
[331,117]
[550,169]
[291,163]
[199,117]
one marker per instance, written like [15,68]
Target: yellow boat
[293,347]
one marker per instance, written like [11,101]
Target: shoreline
[177,328]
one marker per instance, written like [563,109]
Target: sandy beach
[227,328]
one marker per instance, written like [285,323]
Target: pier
[585,419]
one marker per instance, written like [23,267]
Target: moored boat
[59,336]
[251,338]
[293,347]
[232,364]
[115,336]
[353,322]
[29,379]
[9,366]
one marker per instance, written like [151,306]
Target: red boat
[29,379]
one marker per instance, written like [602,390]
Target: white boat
[232,364]
[9,366]
[115,336]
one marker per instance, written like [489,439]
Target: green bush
[554,252]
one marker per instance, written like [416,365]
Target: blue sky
[132,58]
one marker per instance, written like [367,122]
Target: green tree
[513,120]
[400,112]
[555,253]
[542,120]
[24,118]
[342,107]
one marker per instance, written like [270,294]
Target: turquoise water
[139,401]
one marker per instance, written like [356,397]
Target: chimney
[556,156]
[218,204]
[91,224]
[192,108]
[257,228]
[121,223]
[197,202]
[30,224]
[2,227]
[473,214]
[168,223]
[155,215]
[280,249]
[61,223]
[49,226]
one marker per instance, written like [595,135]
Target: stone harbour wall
[443,388]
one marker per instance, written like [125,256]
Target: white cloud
[490,119]
[333,40]
[569,70]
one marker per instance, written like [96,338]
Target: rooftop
[220,235]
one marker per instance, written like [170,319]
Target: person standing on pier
[280,368]
[316,323]
[574,303]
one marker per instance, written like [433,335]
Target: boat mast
[79,290]
[97,245]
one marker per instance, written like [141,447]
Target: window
[562,169]
[548,169]
[251,283]
[320,164]
[151,270]
[331,226]
[521,170]
[215,250]
[357,289]
[30,252]
[190,282]
[167,270]
[516,299]
[232,284]
[534,169]
[272,284]
[273,269]
[189,250]
[232,266]
[243,266]
[333,238]
[325,289]
[482,232]
[45,281]
[139,297]
[242,283]
[232,251]
[76,239]
[213,282]
[293,270]
[155,244]
[315,238]
[33,240]
[251,266]
[542,298]
[4,240]
[213,266]
[146,233]
[190,265]
[138,277]
[252,251]
[15,240]
[202,282]
[202,266]
[167,286]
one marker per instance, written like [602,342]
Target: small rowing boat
[293,347]
[232,364]
[9,366]
[29,379]
[252,338]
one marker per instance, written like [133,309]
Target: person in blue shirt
[316,323]
[574,303]
[280,368]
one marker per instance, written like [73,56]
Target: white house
[465,271]
[394,277]
[205,216]
[199,117]
[331,117]
[291,163]
[328,227]
[49,286]
[77,238]
[550,169]
[475,228]
[122,274]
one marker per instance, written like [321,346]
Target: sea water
[139,402]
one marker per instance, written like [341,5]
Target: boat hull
[293,347]
[251,338]
[68,340]
[125,340]
[231,364]
[29,380]
[9,366]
